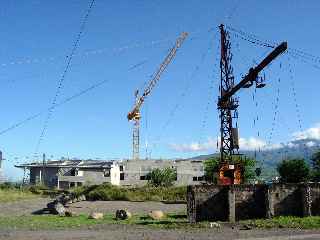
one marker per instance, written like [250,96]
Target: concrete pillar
[191,205]
[306,200]
[232,204]
[269,203]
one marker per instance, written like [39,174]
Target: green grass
[107,192]
[286,222]
[10,195]
[171,221]
[50,222]
[10,192]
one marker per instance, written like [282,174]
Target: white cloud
[211,145]
[311,136]
[310,133]
[311,144]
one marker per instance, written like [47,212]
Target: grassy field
[49,222]
[13,192]
[171,221]
[10,195]
[286,222]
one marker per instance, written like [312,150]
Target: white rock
[96,215]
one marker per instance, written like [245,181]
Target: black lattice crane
[228,104]
[134,114]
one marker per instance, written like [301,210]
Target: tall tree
[315,161]
[294,170]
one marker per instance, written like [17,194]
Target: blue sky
[179,119]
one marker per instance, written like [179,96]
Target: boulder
[156,215]
[56,208]
[96,215]
[82,198]
[63,199]
[69,213]
[123,214]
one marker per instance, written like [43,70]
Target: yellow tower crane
[134,114]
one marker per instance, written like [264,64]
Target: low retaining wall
[238,202]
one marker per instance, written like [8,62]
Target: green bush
[107,192]
[162,177]
[294,170]
[315,161]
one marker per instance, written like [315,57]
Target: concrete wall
[207,203]
[315,199]
[186,171]
[238,202]
[285,200]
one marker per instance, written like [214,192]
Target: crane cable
[295,100]
[274,119]
[296,53]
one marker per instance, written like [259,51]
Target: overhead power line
[63,76]
[66,100]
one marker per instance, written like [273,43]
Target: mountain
[269,159]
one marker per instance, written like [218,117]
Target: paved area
[23,207]
[126,232]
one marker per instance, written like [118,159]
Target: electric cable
[63,76]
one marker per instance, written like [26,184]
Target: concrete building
[65,174]
[70,173]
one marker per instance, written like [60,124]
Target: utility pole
[2,176]
[43,168]
[228,105]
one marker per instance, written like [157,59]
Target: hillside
[268,159]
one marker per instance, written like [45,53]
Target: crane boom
[157,75]
[253,72]
[134,115]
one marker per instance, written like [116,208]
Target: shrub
[162,177]
[293,170]
[315,160]
[106,192]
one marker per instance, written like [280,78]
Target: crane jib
[253,72]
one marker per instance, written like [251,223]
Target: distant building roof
[69,164]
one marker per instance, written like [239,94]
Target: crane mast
[134,114]
[228,105]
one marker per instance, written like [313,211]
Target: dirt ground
[27,207]
[129,232]
[133,207]
[133,232]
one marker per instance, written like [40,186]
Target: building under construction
[65,174]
